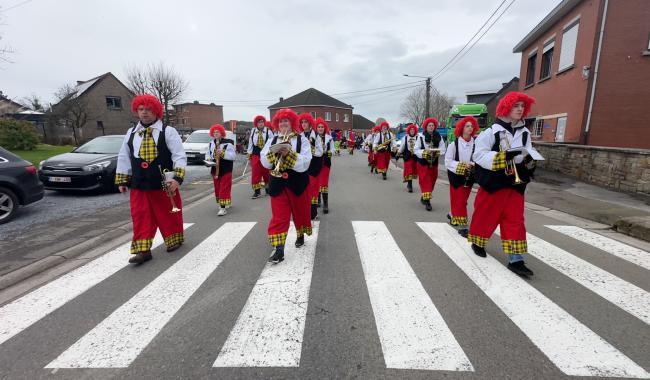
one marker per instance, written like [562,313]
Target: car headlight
[97,166]
[40,165]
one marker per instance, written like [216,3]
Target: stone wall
[621,169]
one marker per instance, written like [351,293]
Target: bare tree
[159,80]
[33,102]
[413,107]
[71,110]
[5,50]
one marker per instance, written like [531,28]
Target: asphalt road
[385,290]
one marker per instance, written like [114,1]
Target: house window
[113,103]
[100,124]
[568,48]
[313,114]
[346,118]
[328,116]
[547,60]
[538,127]
[530,70]
[337,117]
[648,48]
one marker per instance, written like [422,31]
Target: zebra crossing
[270,328]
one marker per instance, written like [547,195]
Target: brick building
[192,116]
[491,103]
[337,114]
[588,65]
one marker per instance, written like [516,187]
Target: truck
[459,111]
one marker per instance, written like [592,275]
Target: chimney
[281,99]
[196,102]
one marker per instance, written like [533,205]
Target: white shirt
[229,149]
[327,146]
[464,153]
[304,156]
[421,142]
[267,134]
[172,138]
[483,154]
[405,143]
[382,137]
[318,145]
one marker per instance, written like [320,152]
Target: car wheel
[8,205]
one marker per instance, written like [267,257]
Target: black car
[88,167]
[19,185]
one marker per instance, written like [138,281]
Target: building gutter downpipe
[593,85]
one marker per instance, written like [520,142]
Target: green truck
[459,111]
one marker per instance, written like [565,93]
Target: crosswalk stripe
[628,297]
[570,345]
[269,330]
[412,332]
[29,309]
[119,339]
[626,252]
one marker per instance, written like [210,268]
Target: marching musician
[351,141]
[371,154]
[221,152]
[260,134]
[429,147]
[407,152]
[306,122]
[382,146]
[324,135]
[501,156]
[288,183]
[151,163]
[460,170]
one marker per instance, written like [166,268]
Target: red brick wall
[565,92]
[620,114]
[198,116]
[320,112]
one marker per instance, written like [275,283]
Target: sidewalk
[623,212]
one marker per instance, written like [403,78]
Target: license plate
[60,179]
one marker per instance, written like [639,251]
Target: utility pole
[427,106]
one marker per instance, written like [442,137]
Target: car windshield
[103,145]
[199,138]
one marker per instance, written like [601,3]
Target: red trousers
[383,159]
[324,179]
[504,208]
[313,189]
[222,189]
[371,157]
[410,170]
[458,197]
[259,174]
[150,211]
[427,176]
[284,206]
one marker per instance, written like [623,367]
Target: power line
[381,92]
[15,6]
[378,88]
[381,98]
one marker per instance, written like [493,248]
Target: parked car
[19,185]
[197,145]
[88,167]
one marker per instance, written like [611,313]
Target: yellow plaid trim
[260,139]
[478,240]
[324,189]
[143,245]
[148,149]
[461,168]
[304,231]
[179,172]
[258,186]
[272,158]
[513,247]
[174,239]
[224,202]
[458,220]
[313,150]
[278,240]
[410,177]
[314,200]
[289,161]
[426,196]
[499,161]
[122,179]
[381,171]
[329,154]
[426,154]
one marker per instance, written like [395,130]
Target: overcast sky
[261,50]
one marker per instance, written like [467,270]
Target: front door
[559,132]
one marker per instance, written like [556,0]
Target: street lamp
[428,92]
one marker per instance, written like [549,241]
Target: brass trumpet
[276,170]
[217,160]
[167,190]
[511,168]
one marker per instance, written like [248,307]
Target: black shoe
[479,251]
[319,199]
[314,212]
[463,232]
[422,201]
[326,208]
[449,217]
[409,186]
[383,176]
[277,256]
[520,268]
[140,257]
[427,205]
[256,194]
[174,247]
[300,241]
[266,190]
[372,170]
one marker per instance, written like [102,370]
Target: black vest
[295,181]
[493,181]
[316,162]
[225,166]
[146,176]
[435,136]
[457,180]
[327,160]
[257,149]
[407,155]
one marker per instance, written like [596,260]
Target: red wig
[320,121]
[148,101]
[412,127]
[384,124]
[220,128]
[306,116]
[286,113]
[461,125]
[257,119]
[376,129]
[507,102]
[430,120]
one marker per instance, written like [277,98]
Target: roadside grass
[42,152]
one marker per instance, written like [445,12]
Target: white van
[197,143]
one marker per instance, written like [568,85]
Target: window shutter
[568,50]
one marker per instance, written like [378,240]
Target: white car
[197,144]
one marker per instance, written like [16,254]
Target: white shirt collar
[157,125]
